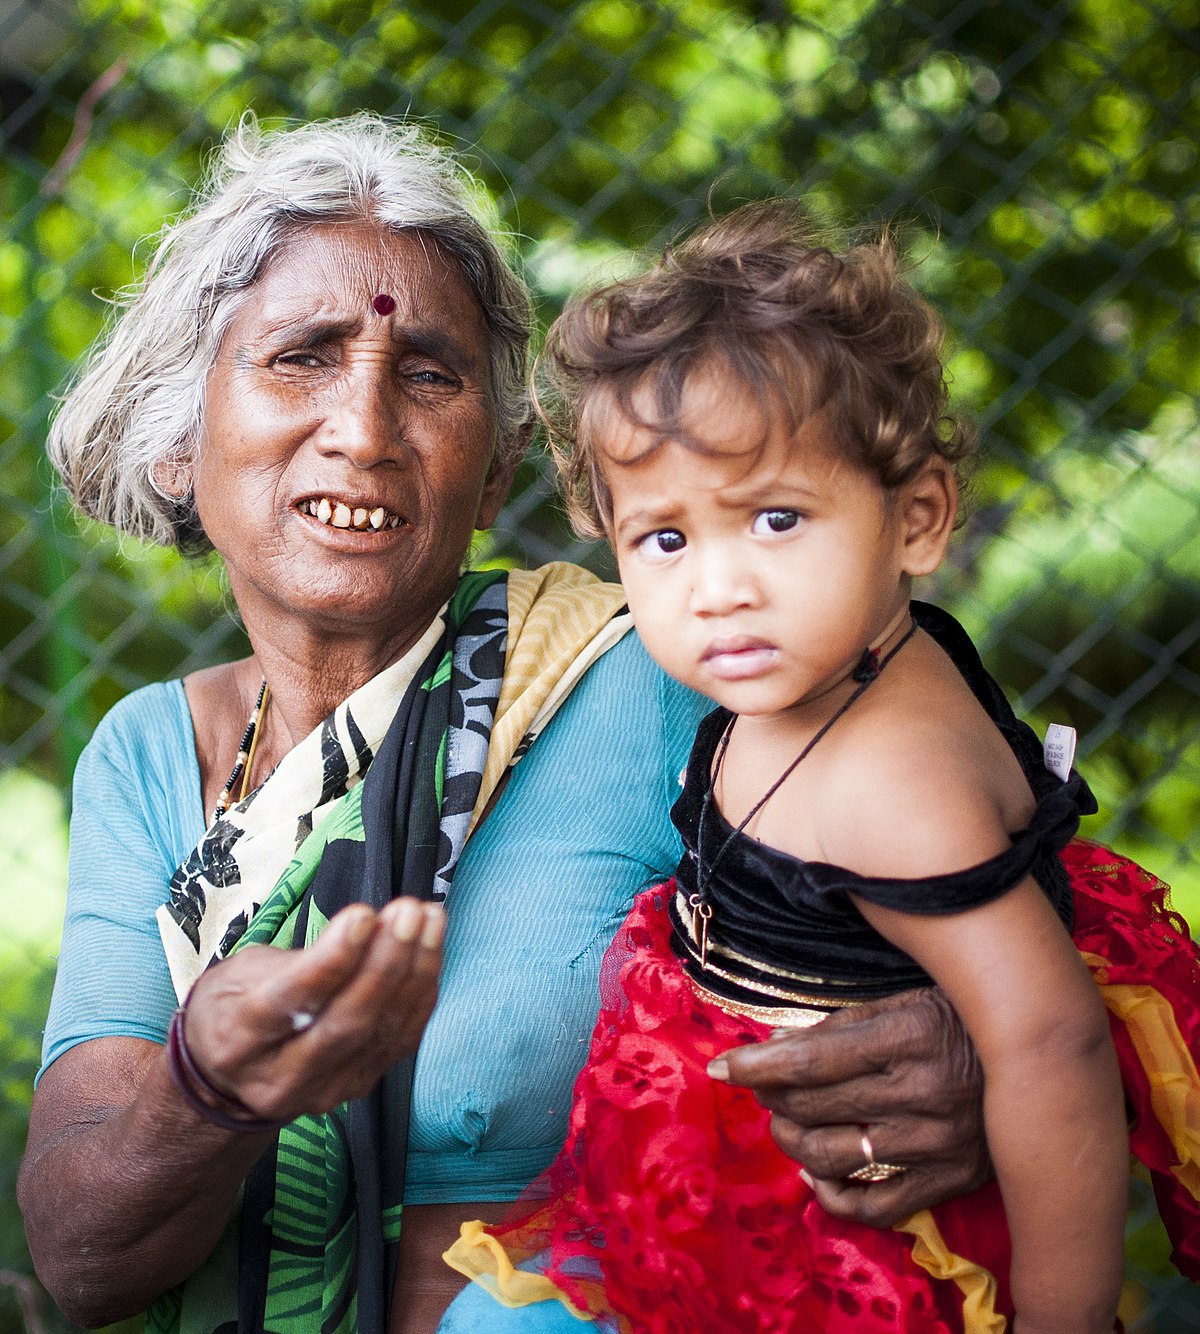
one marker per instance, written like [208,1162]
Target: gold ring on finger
[872,1170]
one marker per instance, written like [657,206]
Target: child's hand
[904,1068]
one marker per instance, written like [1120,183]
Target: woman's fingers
[834,1151]
[287,1031]
[263,996]
[392,993]
[904,1070]
[379,1015]
[924,1183]
[358,964]
[908,1055]
[879,1204]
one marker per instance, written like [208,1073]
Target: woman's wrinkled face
[345,458]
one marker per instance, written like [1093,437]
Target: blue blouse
[581,826]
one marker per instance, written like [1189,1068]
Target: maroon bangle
[197,1090]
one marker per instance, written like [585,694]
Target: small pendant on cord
[701,914]
[868,667]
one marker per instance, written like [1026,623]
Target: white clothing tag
[1060,750]
[683,776]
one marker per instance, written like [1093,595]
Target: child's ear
[929,506]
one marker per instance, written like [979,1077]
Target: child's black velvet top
[784,926]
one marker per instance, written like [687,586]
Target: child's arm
[1053,1104]
[1052,1098]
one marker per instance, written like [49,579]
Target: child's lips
[740,657]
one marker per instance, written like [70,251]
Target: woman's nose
[364,420]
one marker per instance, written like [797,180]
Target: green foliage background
[1042,158]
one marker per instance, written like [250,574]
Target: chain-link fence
[1043,159]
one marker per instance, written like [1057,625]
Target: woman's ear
[495,493]
[172,476]
[499,482]
[929,506]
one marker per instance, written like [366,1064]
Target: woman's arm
[125,1189]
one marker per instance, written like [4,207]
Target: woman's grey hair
[133,417]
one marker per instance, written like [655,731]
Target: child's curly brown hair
[804,328]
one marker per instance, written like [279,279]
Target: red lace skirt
[671,1210]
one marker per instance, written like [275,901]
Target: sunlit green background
[1042,156]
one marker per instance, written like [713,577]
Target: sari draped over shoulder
[378,801]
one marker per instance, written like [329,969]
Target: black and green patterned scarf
[320,1212]
[377,801]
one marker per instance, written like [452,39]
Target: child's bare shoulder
[921,790]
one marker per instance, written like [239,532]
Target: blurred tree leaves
[1042,158]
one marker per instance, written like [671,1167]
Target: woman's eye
[775,521]
[665,542]
[304,360]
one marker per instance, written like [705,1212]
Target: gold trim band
[684,913]
[779,993]
[774,1016]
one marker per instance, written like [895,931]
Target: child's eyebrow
[644,520]
[773,494]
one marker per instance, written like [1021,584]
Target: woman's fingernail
[808,1181]
[406,920]
[719,1069]
[432,929]
[359,927]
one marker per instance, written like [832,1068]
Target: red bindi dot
[383,304]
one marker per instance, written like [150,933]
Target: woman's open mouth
[339,514]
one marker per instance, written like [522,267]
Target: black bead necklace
[243,766]
[865,672]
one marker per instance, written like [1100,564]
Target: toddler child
[760,428]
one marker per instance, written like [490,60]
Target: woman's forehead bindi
[383,304]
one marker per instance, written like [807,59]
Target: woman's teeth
[340,515]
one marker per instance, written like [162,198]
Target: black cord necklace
[243,766]
[867,671]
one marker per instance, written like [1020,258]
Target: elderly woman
[323,377]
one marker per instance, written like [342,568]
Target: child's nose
[721,584]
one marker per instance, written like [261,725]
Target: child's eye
[665,542]
[775,521]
